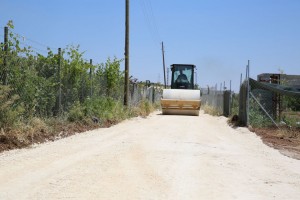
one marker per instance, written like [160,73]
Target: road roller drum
[182,98]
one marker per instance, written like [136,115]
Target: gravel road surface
[160,157]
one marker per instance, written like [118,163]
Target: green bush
[10,112]
[257,117]
[45,86]
[235,104]
[104,108]
[292,103]
[76,112]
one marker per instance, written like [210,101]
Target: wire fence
[47,89]
[219,100]
[272,100]
[49,85]
[212,97]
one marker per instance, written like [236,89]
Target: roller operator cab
[182,76]
[182,98]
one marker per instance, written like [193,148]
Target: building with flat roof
[282,79]
[273,101]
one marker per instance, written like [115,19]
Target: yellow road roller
[183,98]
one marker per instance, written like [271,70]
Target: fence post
[5,66]
[59,82]
[248,93]
[82,96]
[91,78]
[226,103]
[153,95]
[243,104]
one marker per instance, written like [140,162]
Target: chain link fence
[44,92]
[266,104]
[220,101]
[33,85]
[273,100]
[150,93]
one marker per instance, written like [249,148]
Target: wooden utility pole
[126,85]
[241,79]
[168,71]
[164,66]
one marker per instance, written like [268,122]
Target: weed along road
[160,157]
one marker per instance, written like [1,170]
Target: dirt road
[161,157]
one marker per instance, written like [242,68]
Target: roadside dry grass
[38,130]
[210,110]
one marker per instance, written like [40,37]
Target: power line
[32,47]
[154,19]
[150,20]
[142,3]
[23,37]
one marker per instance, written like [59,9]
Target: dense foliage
[52,85]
